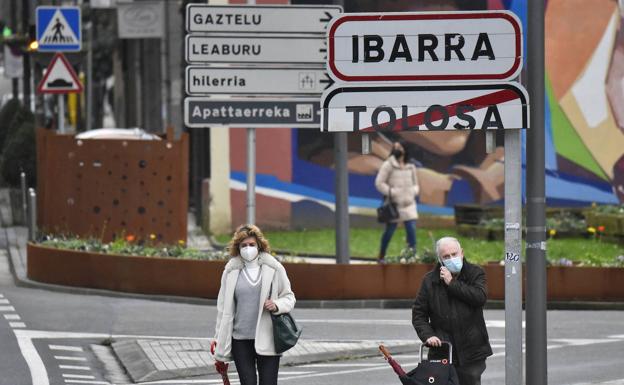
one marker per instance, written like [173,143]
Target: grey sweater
[246,300]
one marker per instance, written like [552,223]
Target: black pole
[15,81]
[26,32]
[536,339]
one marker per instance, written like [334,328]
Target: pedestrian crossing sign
[59,28]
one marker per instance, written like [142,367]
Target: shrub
[7,113]
[19,152]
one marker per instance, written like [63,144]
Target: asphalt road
[49,338]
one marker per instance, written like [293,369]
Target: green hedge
[19,150]
[7,113]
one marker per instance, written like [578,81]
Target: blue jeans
[410,230]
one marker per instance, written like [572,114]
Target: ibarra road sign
[427,107]
[256,112]
[425,46]
[259,18]
[255,49]
[256,81]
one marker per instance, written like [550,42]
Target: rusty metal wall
[108,188]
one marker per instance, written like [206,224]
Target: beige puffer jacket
[401,184]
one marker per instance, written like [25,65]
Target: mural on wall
[584,128]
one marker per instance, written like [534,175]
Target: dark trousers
[410,231]
[246,359]
[470,373]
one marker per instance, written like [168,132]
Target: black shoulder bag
[387,212]
[286,332]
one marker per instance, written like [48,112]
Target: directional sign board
[255,49]
[425,46]
[252,112]
[259,18]
[256,81]
[59,28]
[427,107]
[59,78]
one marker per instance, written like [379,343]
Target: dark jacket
[455,312]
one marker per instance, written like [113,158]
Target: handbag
[387,212]
[286,332]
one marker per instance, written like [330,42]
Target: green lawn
[365,243]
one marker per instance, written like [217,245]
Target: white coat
[272,273]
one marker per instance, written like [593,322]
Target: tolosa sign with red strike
[425,108]
[426,46]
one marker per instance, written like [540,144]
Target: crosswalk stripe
[66,348]
[68,381]
[74,367]
[12,317]
[70,358]
[17,324]
[7,308]
[4,301]
[79,376]
[1,295]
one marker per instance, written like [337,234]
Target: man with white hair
[449,307]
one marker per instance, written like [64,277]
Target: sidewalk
[154,360]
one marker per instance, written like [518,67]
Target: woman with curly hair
[254,284]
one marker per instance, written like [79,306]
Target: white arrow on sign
[259,18]
[256,49]
[256,81]
[427,107]
[425,46]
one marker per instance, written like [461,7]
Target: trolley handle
[422,347]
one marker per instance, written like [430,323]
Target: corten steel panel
[110,188]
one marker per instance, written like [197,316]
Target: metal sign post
[251,175]
[513,258]
[536,334]
[61,113]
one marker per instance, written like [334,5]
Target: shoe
[381,261]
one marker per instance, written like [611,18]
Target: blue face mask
[454,265]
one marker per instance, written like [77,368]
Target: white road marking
[38,371]
[217,381]
[12,317]
[4,301]
[17,324]
[66,348]
[340,365]
[7,308]
[70,358]
[340,372]
[389,322]
[74,367]
[86,382]
[82,376]
[1,295]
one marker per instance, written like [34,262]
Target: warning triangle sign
[60,77]
[58,31]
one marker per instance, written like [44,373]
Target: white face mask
[249,253]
